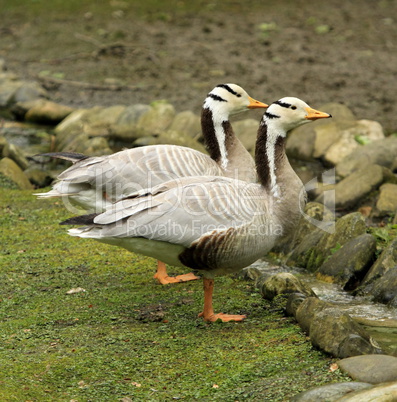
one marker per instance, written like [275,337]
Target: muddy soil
[126,52]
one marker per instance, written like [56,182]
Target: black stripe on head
[283,104]
[217,98]
[271,116]
[225,86]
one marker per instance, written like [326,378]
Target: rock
[373,369]
[16,154]
[186,123]
[307,310]
[39,178]
[383,331]
[384,289]
[387,201]
[293,302]
[170,137]
[3,144]
[305,250]
[131,114]
[314,215]
[125,127]
[301,142]
[318,245]
[382,152]
[349,138]
[385,262]
[157,119]
[76,131]
[284,283]
[28,91]
[386,392]
[336,333]
[327,135]
[339,112]
[246,131]
[8,88]
[349,264]
[358,185]
[12,171]
[41,111]
[330,392]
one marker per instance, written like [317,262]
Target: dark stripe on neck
[208,130]
[262,158]
[271,116]
[283,104]
[228,89]
[217,98]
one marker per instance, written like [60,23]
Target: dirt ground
[126,52]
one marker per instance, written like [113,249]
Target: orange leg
[208,312]
[164,279]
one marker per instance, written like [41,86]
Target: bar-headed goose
[95,183]
[216,225]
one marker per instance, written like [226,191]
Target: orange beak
[313,114]
[254,104]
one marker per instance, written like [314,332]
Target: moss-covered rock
[13,172]
[349,264]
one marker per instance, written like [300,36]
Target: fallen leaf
[333,367]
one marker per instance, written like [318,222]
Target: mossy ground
[126,335]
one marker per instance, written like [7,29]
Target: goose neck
[270,156]
[218,135]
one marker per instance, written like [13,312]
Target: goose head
[230,99]
[289,112]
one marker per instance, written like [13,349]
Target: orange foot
[165,280]
[223,317]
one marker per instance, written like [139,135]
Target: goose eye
[238,95]
[293,107]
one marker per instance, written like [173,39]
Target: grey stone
[352,189]
[284,283]
[330,392]
[384,289]
[16,154]
[12,171]
[387,201]
[316,246]
[373,368]
[382,152]
[158,119]
[42,111]
[386,392]
[348,265]
[8,88]
[305,251]
[300,142]
[246,131]
[39,178]
[29,91]
[186,123]
[348,140]
[336,333]
[314,215]
[293,302]
[176,138]
[131,114]
[386,261]
[307,310]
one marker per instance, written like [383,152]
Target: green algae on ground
[126,335]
